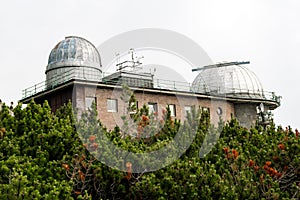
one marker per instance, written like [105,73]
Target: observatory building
[74,72]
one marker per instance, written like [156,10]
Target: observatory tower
[233,80]
[74,56]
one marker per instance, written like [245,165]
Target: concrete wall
[246,114]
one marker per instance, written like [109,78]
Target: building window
[172,108]
[187,109]
[152,107]
[112,105]
[89,102]
[219,111]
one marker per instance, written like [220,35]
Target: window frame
[94,99]
[219,111]
[172,111]
[110,107]
[187,110]
[155,107]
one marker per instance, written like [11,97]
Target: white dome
[232,80]
[76,56]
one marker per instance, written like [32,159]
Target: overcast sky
[267,33]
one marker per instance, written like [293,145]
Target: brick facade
[143,97]
[81,93]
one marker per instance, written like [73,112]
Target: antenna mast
[134,63]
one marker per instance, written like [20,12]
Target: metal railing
[48,84]
[161,84]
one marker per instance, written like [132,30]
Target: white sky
[267,33]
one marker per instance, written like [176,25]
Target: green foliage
[47,155]
[33,147]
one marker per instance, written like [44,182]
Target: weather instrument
[134,63]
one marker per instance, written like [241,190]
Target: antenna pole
[133,63]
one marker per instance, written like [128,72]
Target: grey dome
[74,54]
[233,80]
[74,51]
